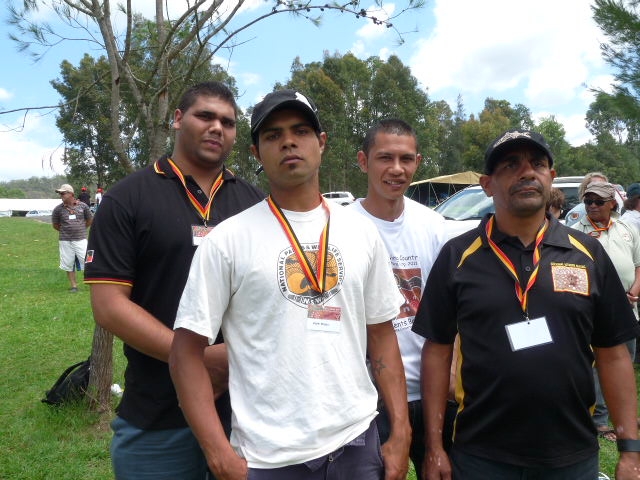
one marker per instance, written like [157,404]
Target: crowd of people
[285,337]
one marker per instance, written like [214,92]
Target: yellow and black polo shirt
[142,237]
[529,407]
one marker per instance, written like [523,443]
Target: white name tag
[323,319]
[529,333]
[198,233]
[72,216]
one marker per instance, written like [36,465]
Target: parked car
[464,210]
[5,213]
[342,198]
[38,213]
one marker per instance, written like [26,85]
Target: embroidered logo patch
[570,278]
[89,257]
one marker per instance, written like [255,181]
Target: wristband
[628,445]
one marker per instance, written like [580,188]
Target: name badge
[529,333]
[72,216]
[198,232]
[323,319]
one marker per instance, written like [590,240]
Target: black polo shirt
[529,407]
[142,237]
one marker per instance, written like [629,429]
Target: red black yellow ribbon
[317,279]
[596,229]
[521,294]
[203,210]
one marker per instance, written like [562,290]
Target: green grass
[44,329]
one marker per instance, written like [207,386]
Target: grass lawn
[44,329]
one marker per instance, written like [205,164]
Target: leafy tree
[620,21]
[6,192]
[351,94]
[150,69]
[554,133]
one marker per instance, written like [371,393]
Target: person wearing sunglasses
[622,242]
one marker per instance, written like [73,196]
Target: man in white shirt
[413,235]
[302,292]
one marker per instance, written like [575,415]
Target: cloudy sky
[543,54]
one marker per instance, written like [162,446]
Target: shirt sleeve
[614,321]
[436,315]
[382,298]
[207,292]
[112,242]
[55,215]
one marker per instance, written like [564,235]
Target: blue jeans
[360,459]
[470,467]
[138,454]
[601,412]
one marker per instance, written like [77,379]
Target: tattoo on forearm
[377,366]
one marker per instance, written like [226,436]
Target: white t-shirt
[413,240]
[296,393]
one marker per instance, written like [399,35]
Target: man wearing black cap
[533,303]
[303,292]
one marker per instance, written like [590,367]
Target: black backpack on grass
[71,386]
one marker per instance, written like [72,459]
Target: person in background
[98,197]
[555,203]
[146,231]
[84,196]
[413,235]
[622,243]
[632,211]
[71,218]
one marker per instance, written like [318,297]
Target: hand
[632,299]
[436,465]
[628,466]
[395,455]
[229,466]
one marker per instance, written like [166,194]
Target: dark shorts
[470,467]
[359,459]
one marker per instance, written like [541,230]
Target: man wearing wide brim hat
[71,218]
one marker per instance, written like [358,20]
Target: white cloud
[5,94]
[25,154]
[249,78]
[371,30]
[358,49]
[384,53]
[493,46]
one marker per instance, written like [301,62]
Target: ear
[256,153]
[177,118]
[418,160]
[485,183]
[362,162]
[553,173]
[322,139]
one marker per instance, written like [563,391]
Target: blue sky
[543,54]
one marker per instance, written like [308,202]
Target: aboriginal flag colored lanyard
[316,279]
[205,210]
[596,229]
[522,295]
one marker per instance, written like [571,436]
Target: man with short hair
[413,235]
[84,196]
[533,303]
[146,231]
[621,241]
[302,290]
[71,218]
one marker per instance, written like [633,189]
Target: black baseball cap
[512,138]
[279,100]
